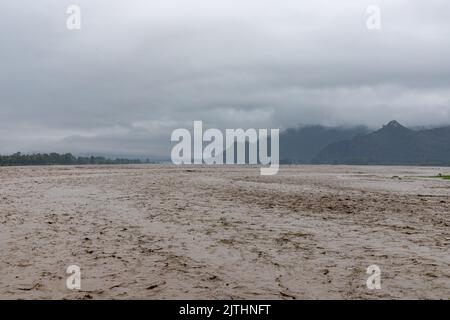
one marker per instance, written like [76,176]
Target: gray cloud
[138,69]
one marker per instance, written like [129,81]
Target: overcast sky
[139,69]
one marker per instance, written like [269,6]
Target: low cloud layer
[139,69]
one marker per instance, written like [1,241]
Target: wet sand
[161,232]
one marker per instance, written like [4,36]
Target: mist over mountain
[393,144]
[302,144]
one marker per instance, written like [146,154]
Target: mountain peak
[394,124]
[393,127]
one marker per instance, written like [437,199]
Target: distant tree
[19,159]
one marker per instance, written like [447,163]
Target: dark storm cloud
[138,69]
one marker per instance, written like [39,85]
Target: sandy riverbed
[159,232]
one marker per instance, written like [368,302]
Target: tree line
[19,159]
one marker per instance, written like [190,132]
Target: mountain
[393,144]
[301,145]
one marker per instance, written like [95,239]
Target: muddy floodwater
[160,232]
